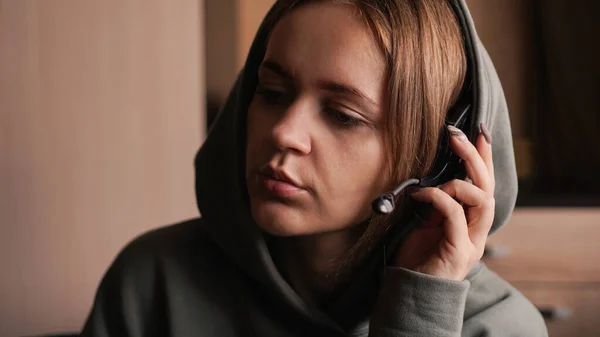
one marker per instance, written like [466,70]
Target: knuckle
[437,192]
[450,186]
[490,201]
[456,210]
[471,152]
[455,183]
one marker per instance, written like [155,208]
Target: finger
[474,164]
[479,231]
[481,214]
[455,222]
[484,147]
[434,219]
[465,192]
[430,218]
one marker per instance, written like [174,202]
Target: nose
[291,132]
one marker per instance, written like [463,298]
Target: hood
[220,180]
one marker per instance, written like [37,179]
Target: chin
[282,220]
[278,225]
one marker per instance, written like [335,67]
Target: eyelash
[343,119]
[278,98]
[271,97]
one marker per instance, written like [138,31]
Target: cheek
[355,174]
[358,162]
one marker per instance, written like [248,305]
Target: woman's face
[315,151]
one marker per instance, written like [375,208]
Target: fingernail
[486,133]
[456,132]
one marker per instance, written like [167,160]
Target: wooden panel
[549,245]
[222,64]
[100,117]
[583,303]
[504,27]
[231,26]
[250,15]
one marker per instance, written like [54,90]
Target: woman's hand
[452,240]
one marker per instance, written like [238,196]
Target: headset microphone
[385,203]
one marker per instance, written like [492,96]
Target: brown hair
[426,65]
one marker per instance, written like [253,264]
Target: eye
[272,96]
[343,119]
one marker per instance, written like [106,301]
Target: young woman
[339,102]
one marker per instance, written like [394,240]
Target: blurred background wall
[101,112]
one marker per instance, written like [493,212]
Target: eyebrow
[334,87]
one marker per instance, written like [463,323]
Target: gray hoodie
[214,276]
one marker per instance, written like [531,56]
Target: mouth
[279,175]
[278,182]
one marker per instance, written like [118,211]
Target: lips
[279,175]
[278,183]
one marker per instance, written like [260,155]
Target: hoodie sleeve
[483,305]
[126,302]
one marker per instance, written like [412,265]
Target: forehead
[325,40]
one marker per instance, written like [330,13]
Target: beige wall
[100,117]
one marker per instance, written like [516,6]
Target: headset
[447,166]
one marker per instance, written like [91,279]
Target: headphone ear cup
[444,167]
[448,165]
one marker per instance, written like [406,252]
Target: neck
[310,263]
